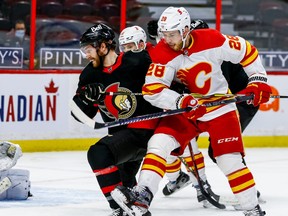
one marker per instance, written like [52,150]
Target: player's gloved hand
[152,27]
[9,154]
[198,24]
[187,100]
[92,93]
[260,90]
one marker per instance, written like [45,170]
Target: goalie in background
[14,183]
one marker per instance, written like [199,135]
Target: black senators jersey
[127,75]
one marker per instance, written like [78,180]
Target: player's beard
[95,64]
[178,46]
[96,61]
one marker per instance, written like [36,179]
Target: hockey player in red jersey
[194,58]
[237,80]
[134,39]
[115,158]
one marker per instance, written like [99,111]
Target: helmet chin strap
[100,57]
[108,50]
[184,40]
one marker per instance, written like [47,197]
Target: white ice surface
[63,185]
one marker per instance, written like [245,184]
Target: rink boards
[34,113]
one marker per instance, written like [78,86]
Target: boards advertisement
[35,107]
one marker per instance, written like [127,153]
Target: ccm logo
[230,139]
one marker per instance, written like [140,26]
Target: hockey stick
[195,95]
[225,200]
[239,95]
[79,114]
[210,196]
[5,184]
[121,93]
[233,95]
[97,125]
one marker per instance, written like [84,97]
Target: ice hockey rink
[63,185]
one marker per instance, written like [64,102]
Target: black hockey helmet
[198,24]
[97,34]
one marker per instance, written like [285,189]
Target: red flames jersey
[199,68]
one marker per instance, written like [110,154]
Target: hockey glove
[198,24]
[92,93]
[152,27]
[261,90]
[9,154]
[186,100]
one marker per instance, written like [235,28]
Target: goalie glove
[259,88]
[9,154]
[93,93]
[187,100]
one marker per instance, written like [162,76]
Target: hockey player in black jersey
[115,158]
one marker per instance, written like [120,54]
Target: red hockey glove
[260,90]
[186,100]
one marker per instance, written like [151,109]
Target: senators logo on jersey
[119,106]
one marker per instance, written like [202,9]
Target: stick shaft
[200,181]
[194,95]
[97,125]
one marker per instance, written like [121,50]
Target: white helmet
[174,18]
[134,34]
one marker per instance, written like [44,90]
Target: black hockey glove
[198,24]
[92,93]
[152,27]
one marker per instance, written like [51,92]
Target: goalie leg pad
[20,184]
[5,183]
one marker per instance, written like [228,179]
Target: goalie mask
[134,34]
